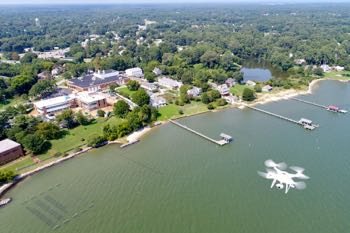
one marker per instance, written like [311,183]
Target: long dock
[311,103]
[274,114]
[218,142]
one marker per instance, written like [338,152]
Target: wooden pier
[222,142]
[328,108]
[301,122]
[311,103]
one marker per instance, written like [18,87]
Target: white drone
[284,179]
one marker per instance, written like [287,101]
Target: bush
[181,112]
[101,113]
[258,88]
[221,102]
[96,141]
[6,176]
[211,106]
[248,94]
[133,85]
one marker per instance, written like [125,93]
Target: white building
[266,88]
[91,100]
[230,82]
[299,61]
[54,105]
[157,71]
[250,83]
[338,68]
[231,99]
[223,89]
[326,68]
[149,86]
[134,72]
[194,92]
[157,101]
[169,83]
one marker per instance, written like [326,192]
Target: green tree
[96,141]
[248,94]
[133,85]
[48,130]
[82,119]
[6,176]
[101,113]
[66,119]
[205,98]
[140,97]
[42,89]
[35,143]
[121,109]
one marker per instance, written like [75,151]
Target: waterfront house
[266,88]
[231,99]
[338,68]
[9,151]
[44,75]
[134,72]
[158,101]
[230,82]
[169,83]
[97,81]
[152,87]
[157,71]
[250,83]
[54,105]
[194,91]
[326,68]
[223,89]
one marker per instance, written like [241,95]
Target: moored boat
[5,201]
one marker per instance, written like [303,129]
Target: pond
[260,71]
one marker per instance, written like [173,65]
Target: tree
[66,119]
[101,113]
[221,102]
[215,94]
[48,130]
[248,94]
[81,118]
[210,58]
[258,88]
[6,176]
[22,83]
[96,141]
[205,98]
[112,87]
[121,109]
[133,85]
[140,97]
[35,143]
[42,89]
[28,58]
[319,72]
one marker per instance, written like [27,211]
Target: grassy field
[73,139]
[237,90]
[172,110]
[11,102]
[338,74]
[125,90]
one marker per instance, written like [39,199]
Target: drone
[283,178]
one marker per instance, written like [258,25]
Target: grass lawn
[125,90]
[237,90]
[22,162]
[11,102]
[75,137]
[337,74]
[172,110]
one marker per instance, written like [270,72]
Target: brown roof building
[9,151]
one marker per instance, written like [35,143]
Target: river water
[173,181]
[260,71]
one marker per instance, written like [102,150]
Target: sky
[156,1]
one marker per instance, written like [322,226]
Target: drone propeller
[300,185]
[265,174]
[270,163]
[299,173]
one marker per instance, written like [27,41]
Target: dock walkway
[274,114]
[311,103]
[218,142]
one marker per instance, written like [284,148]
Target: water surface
[260,71]
[173,181]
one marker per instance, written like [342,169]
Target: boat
[333,108]
[343,111]
[5,201]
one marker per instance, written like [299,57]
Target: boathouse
[226,137]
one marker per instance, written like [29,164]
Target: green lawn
[237,90]
[172,110]
[125,90]
[337,74]
[11,102]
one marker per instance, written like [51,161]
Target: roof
[92,80]
[8,144]
[88,98]
[53,101]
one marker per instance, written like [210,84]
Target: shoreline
[137,135]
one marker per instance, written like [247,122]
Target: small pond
[260,71]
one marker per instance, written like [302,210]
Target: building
[250,83]
[54,105]
[97,81]
[194,92]
[157,71]
[169,83]
[9,151]
[134,72]
[91,101]
[149,86]
[230,82]
[326,68]
[157,101]
[223,89]
[44,75]
[300,61]
[231,99]
[338,68]
[266,88]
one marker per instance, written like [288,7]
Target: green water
[175,182]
